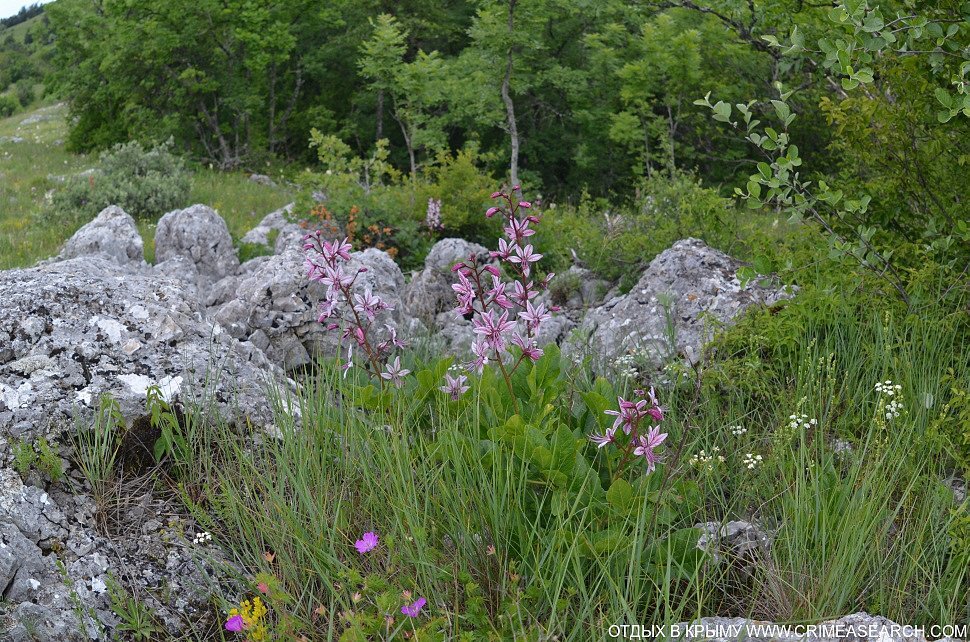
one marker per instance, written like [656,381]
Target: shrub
[617,243]
[25,92]
[8,105]
[146,183]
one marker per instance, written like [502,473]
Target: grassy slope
[29,169]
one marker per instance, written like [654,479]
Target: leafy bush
[146,183]
[618,243]
[8,105]
[379,207]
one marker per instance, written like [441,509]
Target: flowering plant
[506,316]
[629,416]
[352,314]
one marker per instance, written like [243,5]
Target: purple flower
[518,229]
[534,315]
[646,446]
[522,293]
[465,292]
[369,304]
[366,543]
[492,329]
[492,211]
[628,415]
[412,610]
[525,256]
[602,440]
[395,373]
[529,347]
[454,386]
[235,624]
[504,250]
[498,293]
[481,351]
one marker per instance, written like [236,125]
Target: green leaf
[620,495]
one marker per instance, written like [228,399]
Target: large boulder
[429,292]
[685,293]
[273,225]
[113,234]
[276,306]
[73,330]
[199,234]
[45,542]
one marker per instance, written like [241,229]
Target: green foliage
[49,461]
[136,620]
[8,105]
[40,456]
[618,243]
[24,457]
[96,448]
[146,183]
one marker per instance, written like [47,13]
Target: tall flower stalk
[353,315]
[506,317]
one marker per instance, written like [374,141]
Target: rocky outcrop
[429,292]
[273,225]
[41,596]
[199,234]
[685,293]
[73,330]
[112,233]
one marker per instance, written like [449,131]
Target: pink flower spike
[366,543]
[235,624]
[412,610]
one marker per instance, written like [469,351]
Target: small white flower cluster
[202,538]
[888,388]
[626,365]
[707,461]
[800,421]
[752,461]
[737,431]
[894,407]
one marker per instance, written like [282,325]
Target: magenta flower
[412,610]
[534,315]
[647,445]
[235,624]
[395,373]
[366,543]
[628,415]
[492,211]
[529,347]
[369,304]
[455,386]
[481,351]
[497,293]
[525,256]
[602,440]
[492,329]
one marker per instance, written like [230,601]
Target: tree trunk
[510,106]
[380,115]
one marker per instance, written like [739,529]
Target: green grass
[29,169]
[871,529]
